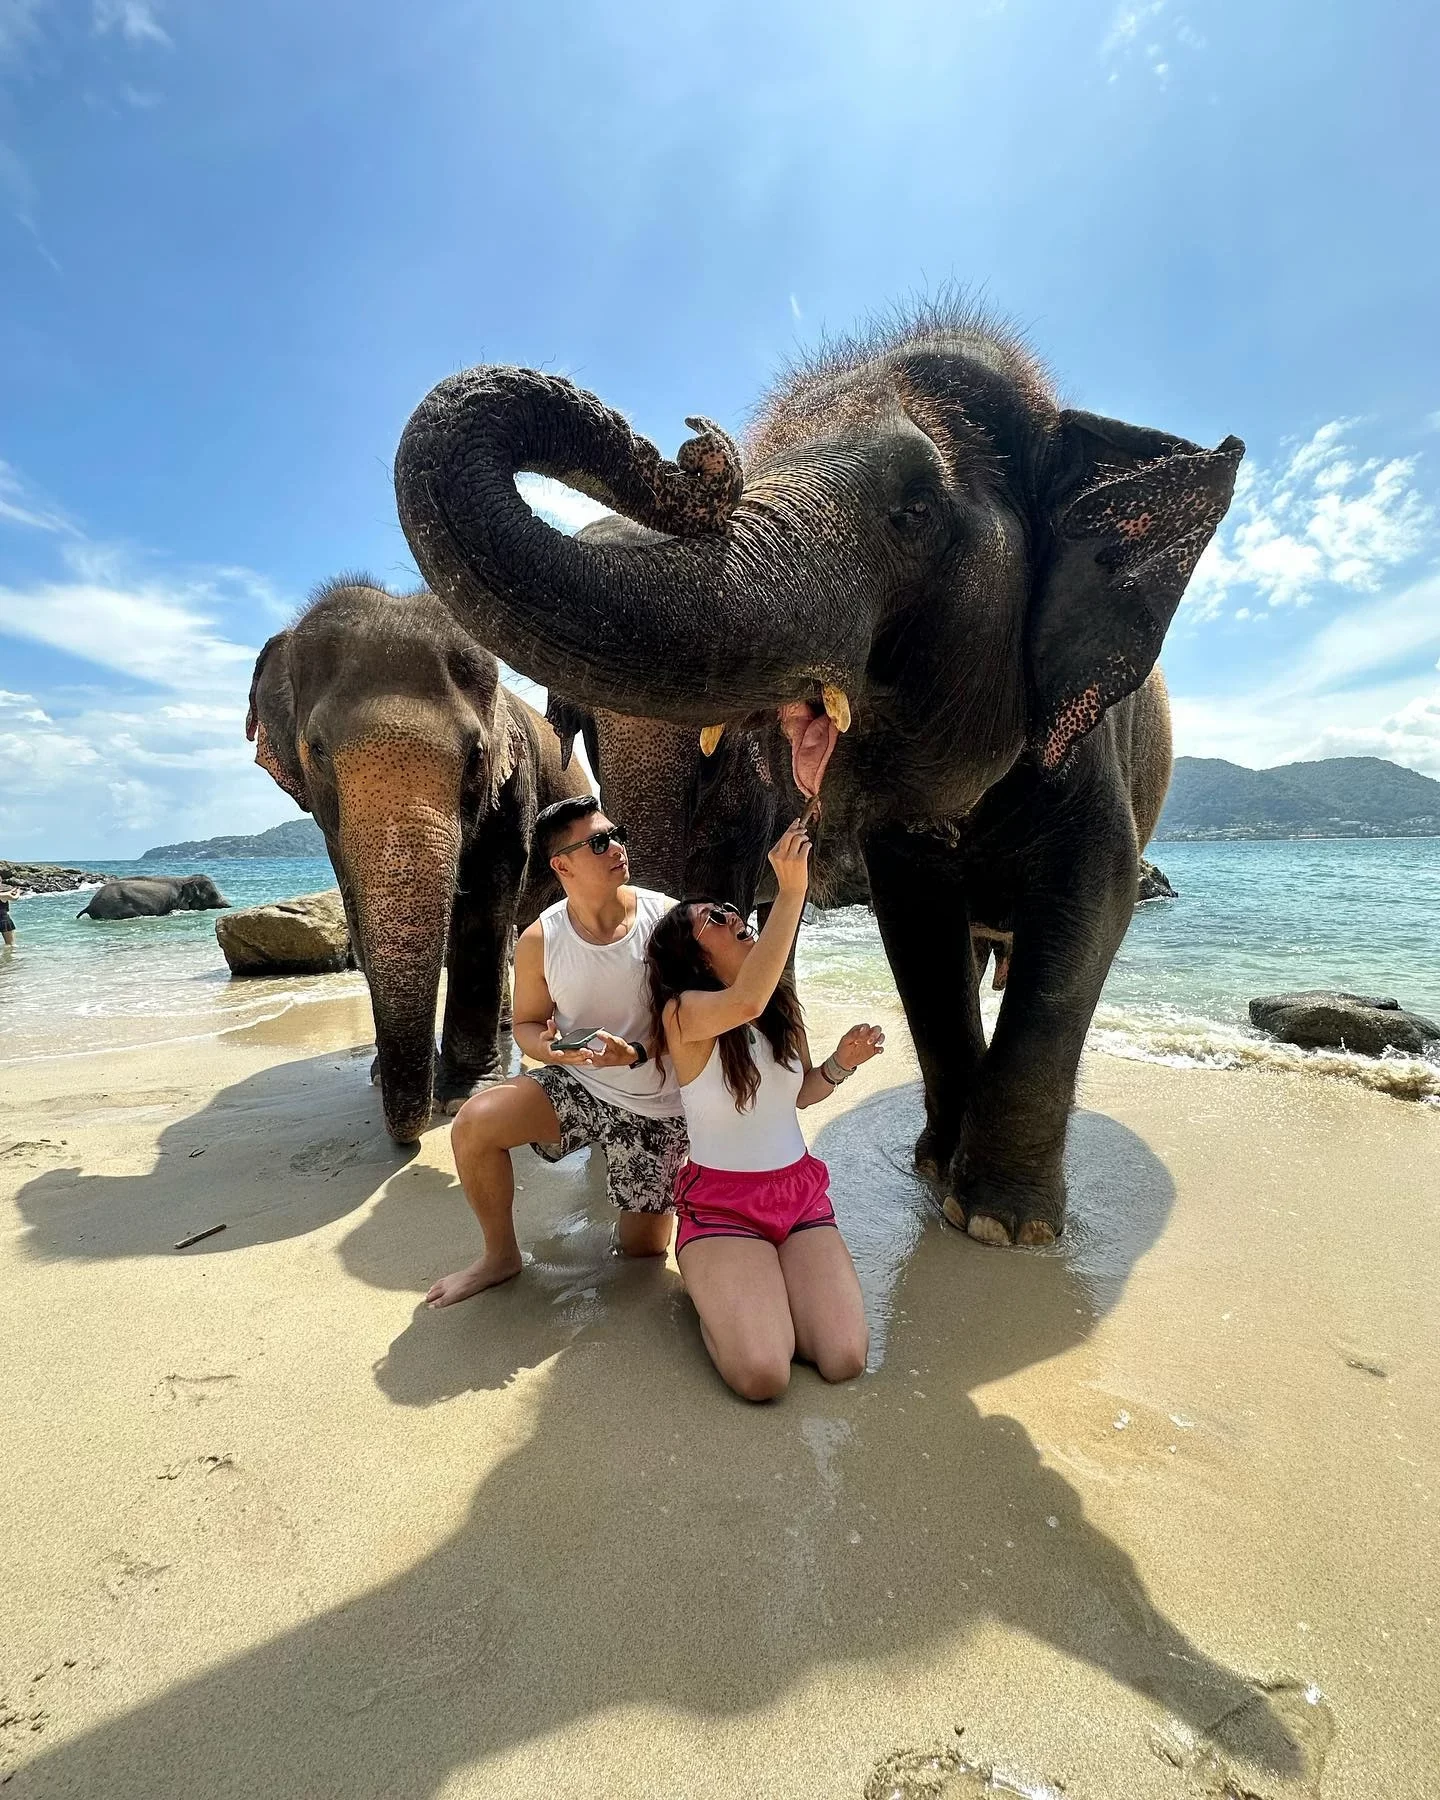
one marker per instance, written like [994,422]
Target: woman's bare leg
[739,1293]
[825,1302]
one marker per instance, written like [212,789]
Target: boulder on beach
[1153,884]
[308,935]
[1323,1020]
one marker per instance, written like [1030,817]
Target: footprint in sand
[30,1152]
[122,1573]
[197,1389]
[325,1159]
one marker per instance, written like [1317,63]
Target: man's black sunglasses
[597,843]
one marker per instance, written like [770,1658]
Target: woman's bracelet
[834,1070]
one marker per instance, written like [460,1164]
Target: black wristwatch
[642,1055]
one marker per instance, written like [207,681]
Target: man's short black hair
[556,825]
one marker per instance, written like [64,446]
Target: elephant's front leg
[1008,1172]
[481,927]
[918,894]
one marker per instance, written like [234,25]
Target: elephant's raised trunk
[400,843]
[682,627]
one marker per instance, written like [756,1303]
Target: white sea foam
[1193,1043]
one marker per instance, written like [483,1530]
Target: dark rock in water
[19,878]
[1153,884]
[308,935]
[1322,1020]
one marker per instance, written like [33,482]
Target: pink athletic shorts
[763,1203]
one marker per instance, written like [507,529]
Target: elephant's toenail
[986,1230]
[1035,1232]
[953,1211]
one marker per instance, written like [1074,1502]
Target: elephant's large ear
[270,719]
[511,746]
[1132,509]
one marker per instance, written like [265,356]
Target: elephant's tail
[84,913]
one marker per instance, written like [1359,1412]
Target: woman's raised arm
[701,1014]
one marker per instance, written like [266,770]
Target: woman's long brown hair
[676,963]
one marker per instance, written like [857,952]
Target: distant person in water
[758,1247]
[579,968]
[7,924]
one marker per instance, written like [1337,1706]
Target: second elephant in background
[378,713]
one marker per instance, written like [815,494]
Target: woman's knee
[756,1375]
[845,1359]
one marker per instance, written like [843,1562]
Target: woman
[758,1245]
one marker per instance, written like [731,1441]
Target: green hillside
[296,837]
[1343,796]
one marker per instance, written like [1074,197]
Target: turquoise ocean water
[1252,918]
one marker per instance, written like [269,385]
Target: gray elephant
[151,896]
[949,592]
[380,715]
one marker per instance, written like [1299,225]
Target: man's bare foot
[489,1272]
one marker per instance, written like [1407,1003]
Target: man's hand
[585,1058]
[610,1052]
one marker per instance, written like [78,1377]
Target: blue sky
[238,242]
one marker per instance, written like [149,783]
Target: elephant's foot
[933,1152]
[1002,1213]
[453,1087]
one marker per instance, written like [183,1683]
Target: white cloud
[1325,517]
[134,20]
[557,504]
[23,708]
[1147,34]
[167,637]
[91,769]
[1343,694]
[18,508]
[795,312]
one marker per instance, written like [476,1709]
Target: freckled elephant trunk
[683,627]
[400,843]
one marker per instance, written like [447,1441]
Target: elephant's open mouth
[812,728]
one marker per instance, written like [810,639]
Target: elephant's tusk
[837,707]
[710,739]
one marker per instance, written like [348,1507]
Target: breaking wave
[1193,1043]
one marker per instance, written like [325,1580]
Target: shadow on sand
[269,1165]
[882,1520]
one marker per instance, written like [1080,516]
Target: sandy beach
[1153,1514]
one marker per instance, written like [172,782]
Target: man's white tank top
[766,1136]
[604,986]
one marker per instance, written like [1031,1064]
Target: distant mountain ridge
[296,837]
[1343,796]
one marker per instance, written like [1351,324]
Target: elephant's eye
[318,752]
[912,515]
[473,762]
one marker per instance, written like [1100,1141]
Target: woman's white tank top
[767,1136]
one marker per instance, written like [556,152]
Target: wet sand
[1151,1514]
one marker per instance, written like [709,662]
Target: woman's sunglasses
[597,843]
[716,915]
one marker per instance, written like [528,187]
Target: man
[580,966]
